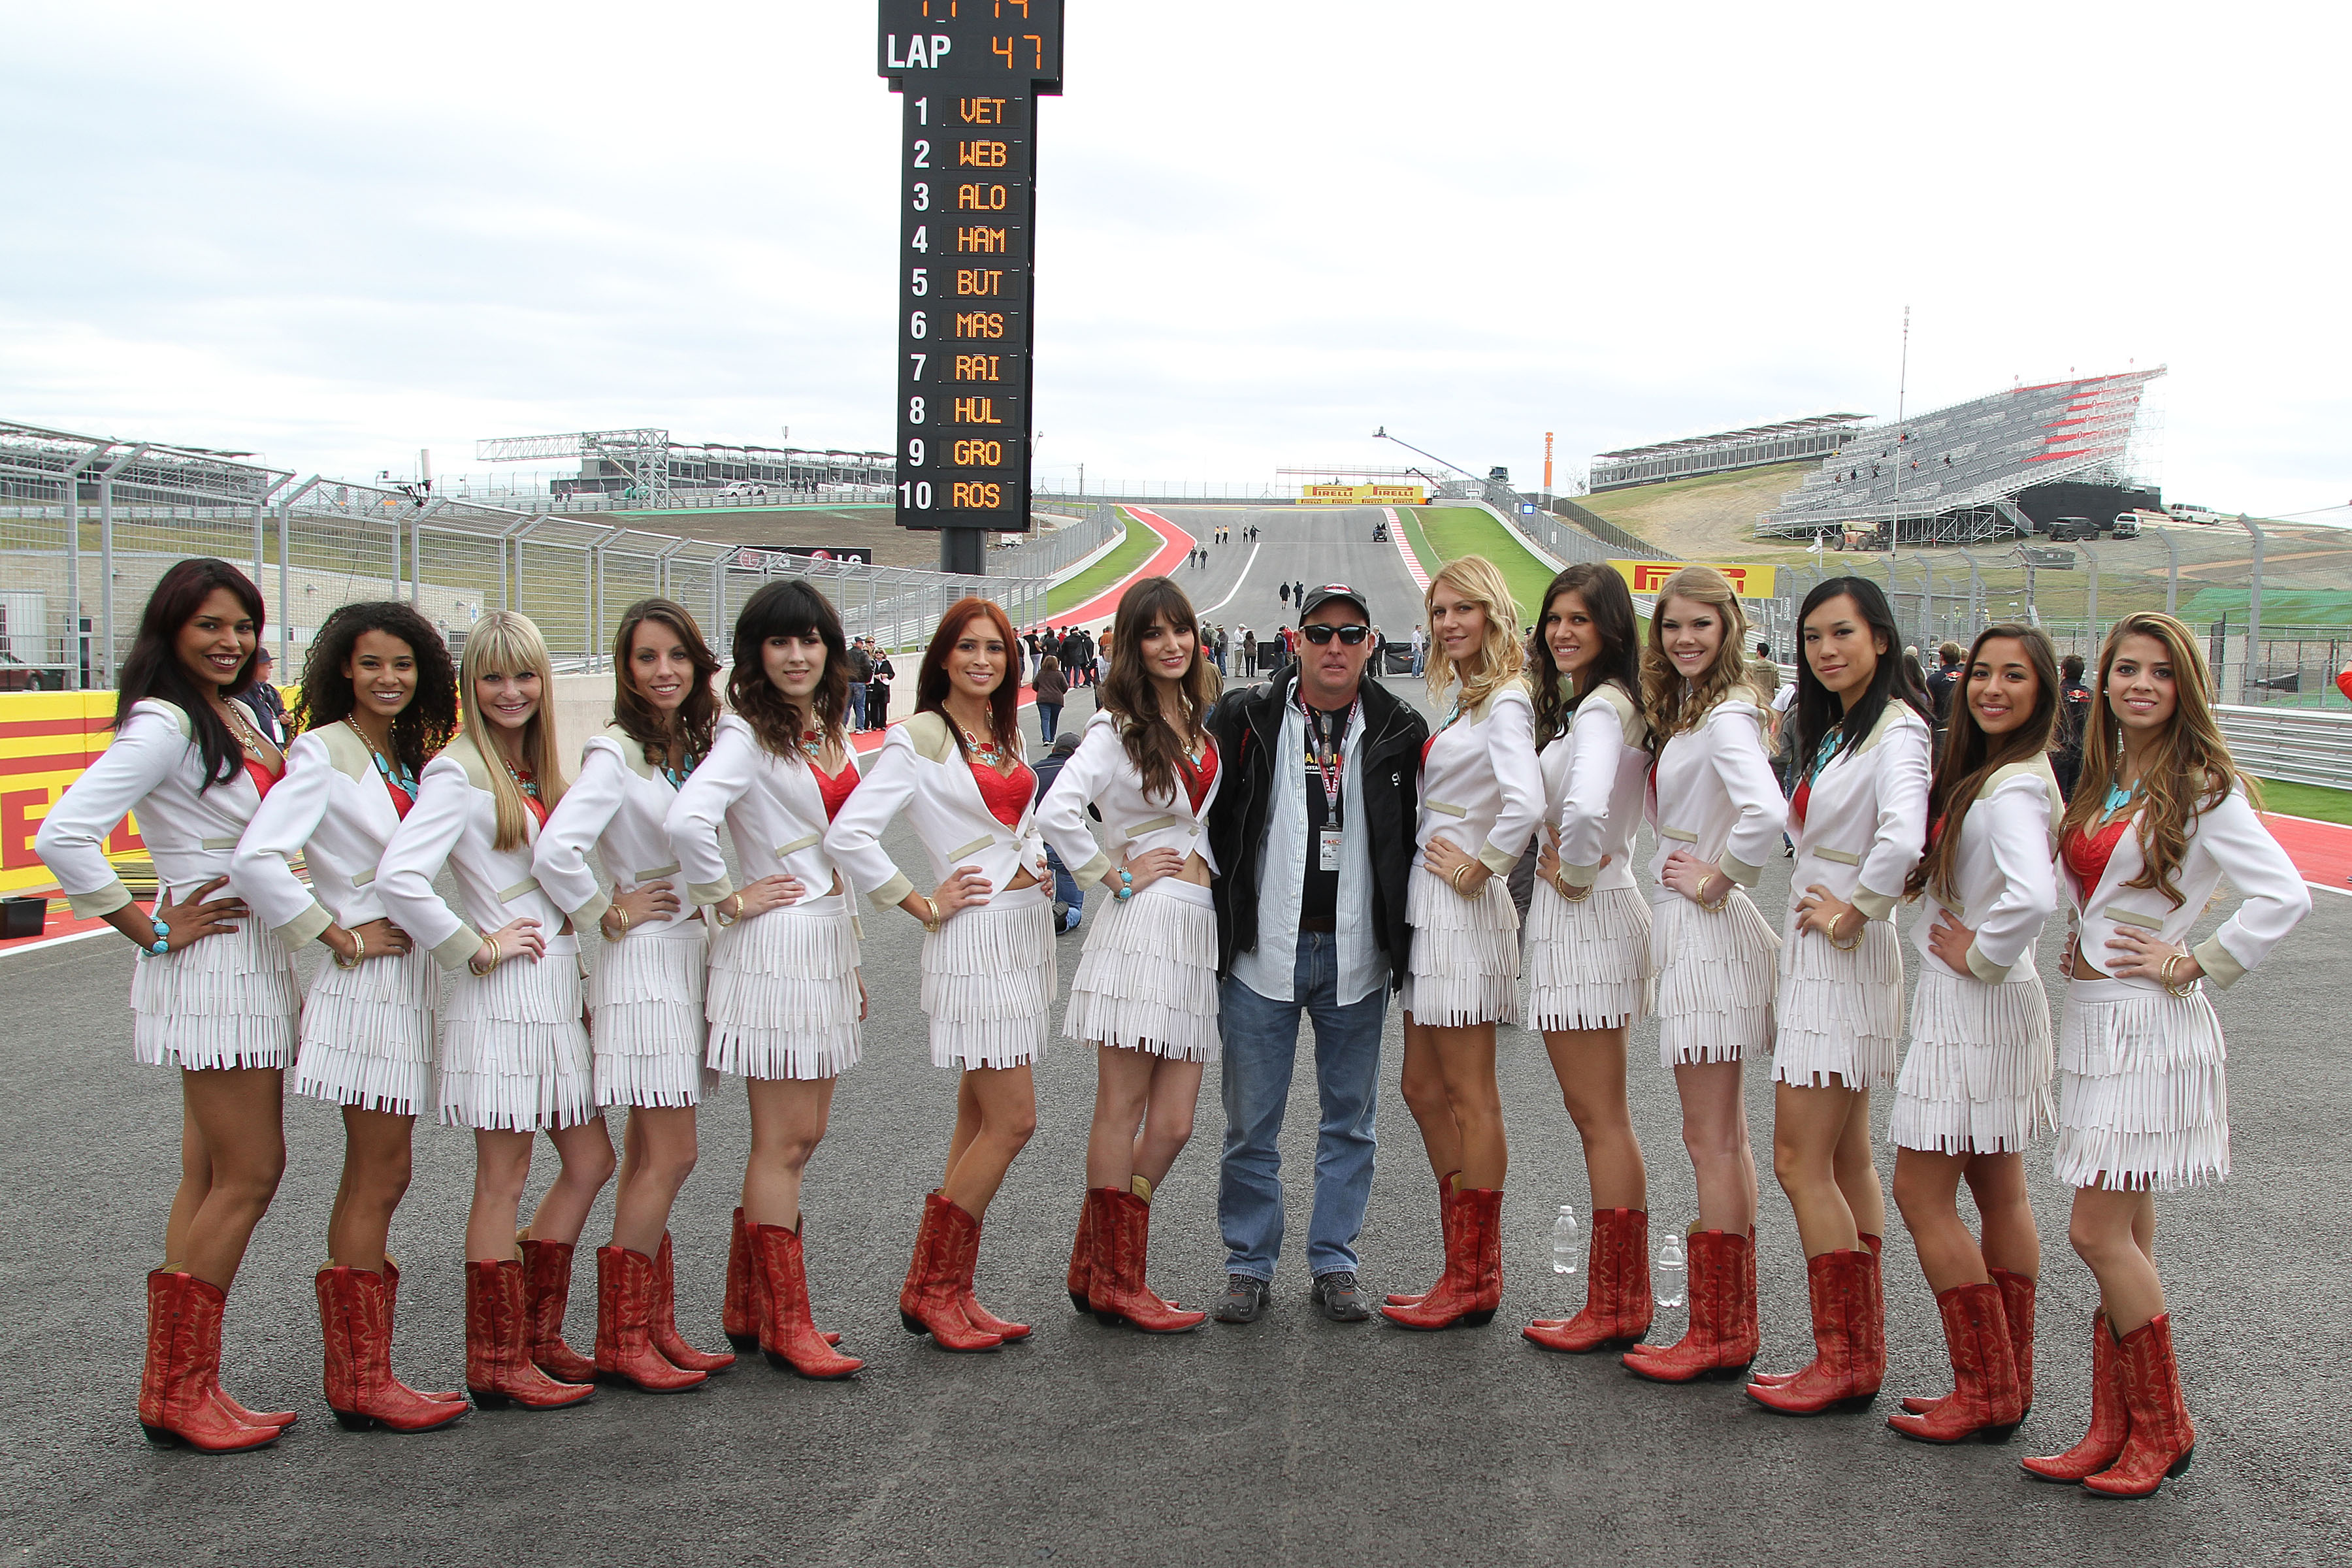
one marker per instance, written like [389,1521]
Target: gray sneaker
[1338,1298]
[1244,1299]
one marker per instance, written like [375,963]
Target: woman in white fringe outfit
[1145,993]
[378,700]
[514,1057]
[1718,812]
[1588,949]
[1975,1086]
[645,988]
[955,768]
[1481,797]
[1858,821]
[2160,818]
[785,1001]
[214,994]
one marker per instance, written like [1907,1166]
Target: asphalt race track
[1290,1441]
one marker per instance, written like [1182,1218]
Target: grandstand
[1691,456]
[1989,468]
[647,465]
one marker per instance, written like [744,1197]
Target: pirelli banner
[1361,495]
[46,741]
[1648,576]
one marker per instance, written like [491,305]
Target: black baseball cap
[1318,597]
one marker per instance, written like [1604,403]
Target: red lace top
[834,787]
[2087,855]
[532,803]
[261,776]
[1199,777]
[1801,801]
[401,799]
[1007,794]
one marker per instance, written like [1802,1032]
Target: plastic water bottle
[1668,1289]
[1565,1252]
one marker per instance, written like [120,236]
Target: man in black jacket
[1313,832]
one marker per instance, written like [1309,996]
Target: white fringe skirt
[783,1001]
[514,1055]
[1977,1077]
[1588,960]
[367,1033]
[1466,953]
[1839,1013]
[2144,1101]
[1147,979]
[1714,979]
[988,982]
[645,1012]
[226,1000]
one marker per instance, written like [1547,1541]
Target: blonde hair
[2190,771]
[504,641]
[1502,651]
[1671,703]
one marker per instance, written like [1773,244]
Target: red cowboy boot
[664,1322]
[788,1336]
[1839,1377]
[2110,1417]
[625,1343]
[740,1317]
[177,1399]
[966,1298]
[1983,1403]
[547,1286]
[499,1370]
[2017,1301]
[1617,1305]
[1082,1250]
[1116,1292]
[927,1302]
[1445,1187]
[1710,1347]
[1472,1286]
[2163,1439]
[355,1319]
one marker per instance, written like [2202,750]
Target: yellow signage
[1647,576]
[1361,495]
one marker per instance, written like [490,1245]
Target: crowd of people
[1304,846]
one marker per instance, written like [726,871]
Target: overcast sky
[341,233]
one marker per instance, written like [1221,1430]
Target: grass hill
[1709,519]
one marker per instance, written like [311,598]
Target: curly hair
[790,607]
[1502,651]
[638,719]
[1669,702]
[1970,756]
[1131,693]
[327,695]
[1610,607]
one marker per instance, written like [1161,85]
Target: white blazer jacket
[154,767]
[2004,882]
[618,806]
[920,770]
[1713,794]
[455,822]
[771,808]
[1480,785]
[1866,818]
[1099,773]
[1594,777]
[2226,840]
[332,808]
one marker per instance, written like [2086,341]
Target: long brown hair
[2190,771]
[932,682]
[508,642]
[1502,653]
[1672,704]
[1133,695]
[152,667]
[790,607]
[325,697]
[1971,756]
[1610,606]
[697,716]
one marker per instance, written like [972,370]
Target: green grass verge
[2308,800]
[1442,533]
[1140,545]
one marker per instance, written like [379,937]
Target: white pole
[1902,384]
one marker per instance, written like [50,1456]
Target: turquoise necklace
[2119,799]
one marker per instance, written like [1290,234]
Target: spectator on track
[1052,693]
[2074,712]
[264,699]
[1249,651]
[861,673]
[1943,683]
[1069,899]
[1285,591]
[877,690]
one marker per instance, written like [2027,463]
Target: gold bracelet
[1457,879]
[475,963]
[623,916]
[1574,895]
[359,951]
[929,923]
[2164,976]
[1717,907]
[1845,946]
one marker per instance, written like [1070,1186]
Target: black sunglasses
[1319,633]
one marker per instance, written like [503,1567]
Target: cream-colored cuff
[1873,906]
[591,912]
[2215,960]
[1096,870]
[892,893]
[1739,870]
[1498,861]
[101,902]
[705,893]
[1579,876]
[458,950]
[1984,968]
[303,929]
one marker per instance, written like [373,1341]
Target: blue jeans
[857,704]
[1066,887]
[1261,1043]
[1049,719]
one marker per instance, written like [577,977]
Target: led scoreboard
[971,73]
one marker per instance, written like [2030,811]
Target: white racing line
[1228,599]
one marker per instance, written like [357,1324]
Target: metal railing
[1042,554]
[2295,745]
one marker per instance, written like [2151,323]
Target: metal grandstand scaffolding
[640,455]
[645,467]
[1692,456]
